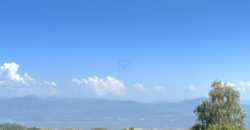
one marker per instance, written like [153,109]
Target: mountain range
[87,113]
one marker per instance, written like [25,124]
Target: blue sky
[172,44]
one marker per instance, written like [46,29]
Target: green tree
[221,110]
[224,127]
[99,129]
[131,128]
[9,126]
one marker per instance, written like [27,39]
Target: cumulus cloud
[8,72]
[21,85]
[244,86]
[102,86]
[79,81]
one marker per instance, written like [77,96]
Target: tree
[8,126]
[221,110]
[99,129]
[131,128]
[224,127]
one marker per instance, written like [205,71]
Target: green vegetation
[99,129]
[221,111]
[13,126]
[225,127]
[8,126]
[131,128]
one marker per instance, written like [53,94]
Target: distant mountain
[70,112]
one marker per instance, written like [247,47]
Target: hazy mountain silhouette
[157,114]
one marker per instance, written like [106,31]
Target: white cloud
[102,86]
[191,88]
[47,83]
[21,85]
[159,88]
[79,81]
[9,72]
[244,86]
[155,89]
[139,86]
[230,84]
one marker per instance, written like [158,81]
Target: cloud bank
[14,84]
[102,86]
[21,85]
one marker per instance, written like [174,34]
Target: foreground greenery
[8,126]
[13,126]
[222,110]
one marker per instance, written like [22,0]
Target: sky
[143,50]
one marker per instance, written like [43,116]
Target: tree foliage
[99,129]
[131,128]
[221,110]
[9,126]
[225,127]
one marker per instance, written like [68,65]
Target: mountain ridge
[98,112]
